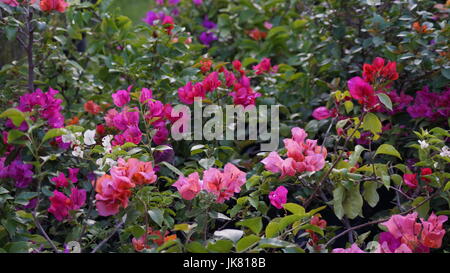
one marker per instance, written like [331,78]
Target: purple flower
[173,2]
[159,2]
[152,16]
[278,197]
[20,172]
[420,111]
[197,2]
[207,38]
[388,240]
[175,12]
[208,24]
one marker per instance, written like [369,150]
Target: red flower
[205,65]
[51,5]
[425,171]
[92,108]
[411,180]
[377,69]
[257,35]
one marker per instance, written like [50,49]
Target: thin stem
[118,226]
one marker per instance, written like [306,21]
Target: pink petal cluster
[278,197]
[15,3]
[378,70]
[406,235]
[223,184]
[114,191]
[122,97]
[46,106]
[265,67]
[61,181]
[60,204]
[321,113]
[304,155]
[353,249]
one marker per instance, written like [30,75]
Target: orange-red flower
[92,108]
[51,5]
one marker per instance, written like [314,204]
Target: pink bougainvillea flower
[122,97]
[264,67]
[73,172]
[321,113]
[189,92]
[197,2]
[18,171]
[146,95]
[109,117]
[188,187]
[273,162]
[125,119]
[268,25]
[12,3]
[353,249]
[60,181]
[137,172]
[223,184]
[168,23]
[132,134]
[433,231]
[51,5]
[60,204]
[363,92]
[278,197]
[411,180]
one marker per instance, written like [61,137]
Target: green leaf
[353,202]
[196,247]
[294,208]
[372,123]
[447,186]
[172,168]
[424,208]
[272,229]
[254,224]
[338,198]
[388,150]
[273,243]
[247,242]
[157,216]
[221,246]
[17,247]
[370,193]
[52,133]
[314,228]
[356,154]
[13,135]
[16,116]
[385,100]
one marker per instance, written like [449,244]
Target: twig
[118,226]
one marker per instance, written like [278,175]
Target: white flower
[423,144]
[71,138]
[77,152]
[89,137]
[106,162]
[445,152]
[106,142]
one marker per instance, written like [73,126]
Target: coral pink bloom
[60,180]
[122,97]
[321,113]
[433,231]
[288,167]
[411,180]
[273,162]
[278,197]
[50,5]
[188,187]
[92,108]
[294,150]
[353,249]
[223,184]
[112,194]
[314,163]
[139,173]
[299,135]
[109,118]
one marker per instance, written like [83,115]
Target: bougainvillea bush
[95,155]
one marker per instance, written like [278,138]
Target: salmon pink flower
[112,194]
[92,108]
[353,249]
[433,231]
[188,187]
[51,5]
[223,184]
[278,197]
